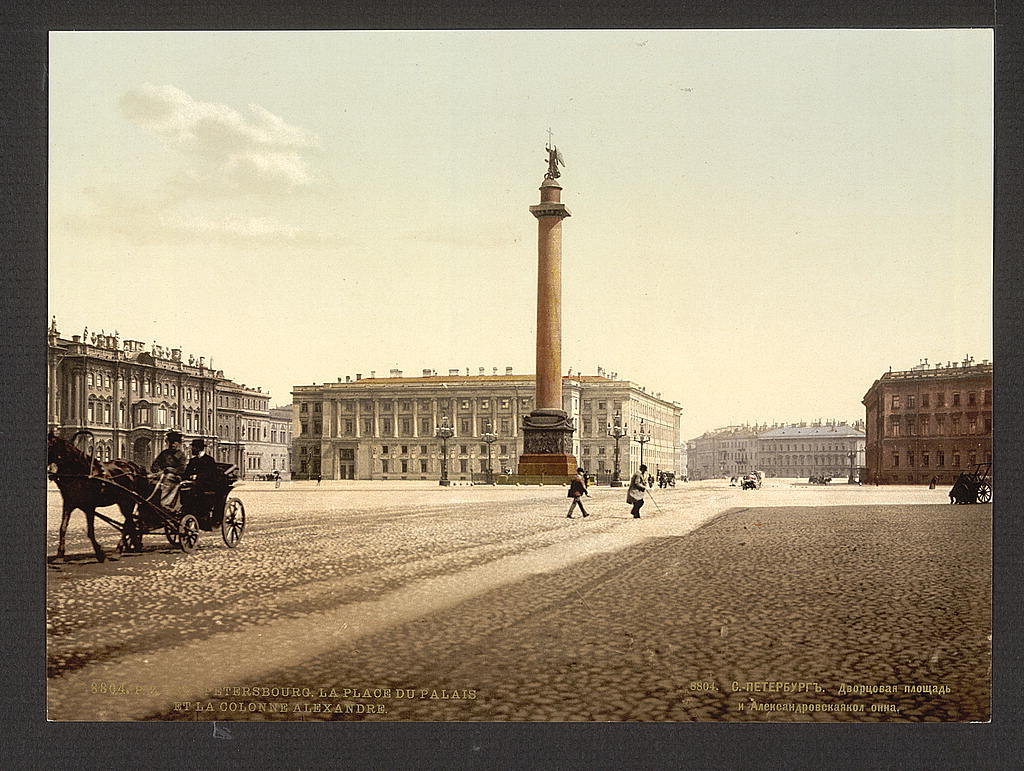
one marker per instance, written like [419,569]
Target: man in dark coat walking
[637,488]
[577,489]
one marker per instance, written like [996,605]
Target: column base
[549,465]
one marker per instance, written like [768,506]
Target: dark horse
[87,484]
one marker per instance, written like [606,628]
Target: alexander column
[548,430]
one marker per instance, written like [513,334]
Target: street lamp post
[444,433]
[642,437]
[616,431]
[852,455]
[490,438]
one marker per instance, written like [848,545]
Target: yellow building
[385,427]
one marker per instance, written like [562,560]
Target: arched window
[90,378]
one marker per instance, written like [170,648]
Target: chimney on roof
[452,372]
[396,373]
[348,378]
[467,371]
[494,371]
[482,370]
[508,370]
[359,376]
[426,373]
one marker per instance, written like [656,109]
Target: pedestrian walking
[277,479]
[637,488]
[577,489]
[318,478]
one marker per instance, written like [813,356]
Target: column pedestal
[547,444]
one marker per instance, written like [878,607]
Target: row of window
[800,460]
[829,447]
[102,380]
[426,405]
[939,458]
[911,400]
[922,426]
[99,413]
[244,403]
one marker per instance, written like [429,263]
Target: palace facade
[129,397]
[932,421]
[385,428]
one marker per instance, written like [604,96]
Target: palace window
[463,449]
[423,449]
[972,398]
[895,401]
[956,399]
[425,425]
[423,467]
[405,406]
[895,460]
[940,458]
[940,399]
[383,449]
[956,460]
[463,465]
[924,400]
[405,467]
[924,459]
[485,404]
[464,427]
[911,401]
[384,466]
[386,427]
[407,426]
[368,426]
[987,397]
[504,404]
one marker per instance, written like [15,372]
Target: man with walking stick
[637,488]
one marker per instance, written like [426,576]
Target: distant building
[932,421]
[384,428]
[129,397]
[724,452]
[797,450]
[833,450]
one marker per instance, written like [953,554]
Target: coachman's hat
[173,436]
[198,444]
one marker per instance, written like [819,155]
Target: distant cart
[973,487]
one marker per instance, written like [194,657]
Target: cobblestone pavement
[492,591]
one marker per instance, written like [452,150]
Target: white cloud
[230,152]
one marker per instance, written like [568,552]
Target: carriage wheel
[188,533]
[171,535]
[984,493]
[233,524]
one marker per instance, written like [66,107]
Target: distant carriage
[974,486]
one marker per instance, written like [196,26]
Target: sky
[763,221]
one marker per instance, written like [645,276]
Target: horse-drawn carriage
[87,484]
[973,487]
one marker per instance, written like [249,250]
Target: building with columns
[931,421]
[129,397]
[832,449]
[384,428]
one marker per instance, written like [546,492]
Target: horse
[87,484]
